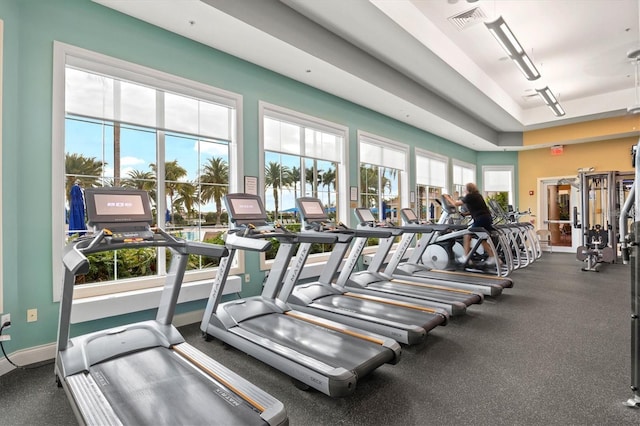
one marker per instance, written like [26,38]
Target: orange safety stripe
[241,394]
[392,302]
[468,274]
[334,327]
[433,286]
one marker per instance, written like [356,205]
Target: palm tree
[313,176]
[87,171]
[328,179]
[185,197]
[294,178]
[173,172]
[139,179]
[215,173]
[275,177]
[369,185]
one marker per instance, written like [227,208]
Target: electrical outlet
[5,319]
[32,315]
[247,278]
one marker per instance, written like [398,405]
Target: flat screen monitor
[114,205]
[311,209]
[245,207]
[409,215]
[365,215]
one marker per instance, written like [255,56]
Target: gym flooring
[553,350]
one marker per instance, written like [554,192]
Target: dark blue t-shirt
[476,205]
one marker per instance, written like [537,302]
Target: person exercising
[481,216]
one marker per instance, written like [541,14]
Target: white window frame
[463,164]
[510,169]
[301,119]
[63,55]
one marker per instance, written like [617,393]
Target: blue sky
[138,148]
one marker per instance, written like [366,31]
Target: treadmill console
[124,214]
[245,209]
[365,215]
[409,216]
[315,216]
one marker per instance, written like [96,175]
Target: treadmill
[316,352]
[406,321]
[144,373]
[454,301]
[488,285]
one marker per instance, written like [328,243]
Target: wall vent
[466,19]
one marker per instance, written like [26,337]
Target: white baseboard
[48,352]
[29,356]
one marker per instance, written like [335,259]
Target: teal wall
[31,26]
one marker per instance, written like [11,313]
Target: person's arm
[452,201]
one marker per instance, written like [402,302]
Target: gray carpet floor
[553,350]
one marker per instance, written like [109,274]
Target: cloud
[131,161]
[212,149]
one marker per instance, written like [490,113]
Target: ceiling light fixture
[547,96]
[510,44]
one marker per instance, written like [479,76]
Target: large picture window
[129,126]
[431,183]
[497,183]
[303,156]
[383,175]
[463,173]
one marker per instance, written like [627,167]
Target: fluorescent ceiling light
[549,98]
[510,44]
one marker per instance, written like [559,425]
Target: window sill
[93,308]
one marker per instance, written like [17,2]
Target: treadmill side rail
[93,407]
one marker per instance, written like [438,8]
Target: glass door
[559,198]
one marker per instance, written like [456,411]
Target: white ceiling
[405,59]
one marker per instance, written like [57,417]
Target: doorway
[558,207]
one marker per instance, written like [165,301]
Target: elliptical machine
[445,249]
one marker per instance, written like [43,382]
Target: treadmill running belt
[334,348]
[419,292]
[379,311]
[157,387]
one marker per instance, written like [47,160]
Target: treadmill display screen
[246,206]
[365,215]
[243,207]
[410,215]
[117,205]
[312,210]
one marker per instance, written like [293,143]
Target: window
[463,173]
[126,125]
[383,175]
[498,184]
[431,182]
[303,156]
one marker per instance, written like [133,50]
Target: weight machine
[602,195]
